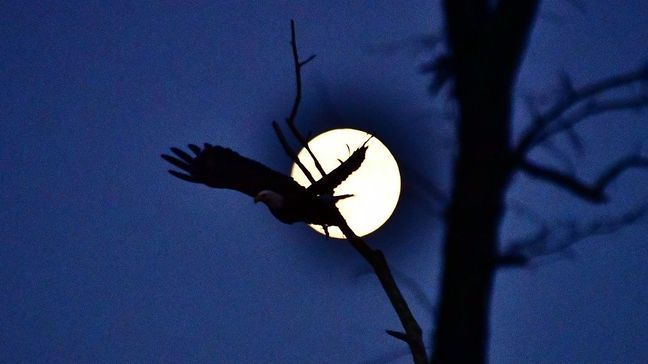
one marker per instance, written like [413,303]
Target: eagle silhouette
[288,201]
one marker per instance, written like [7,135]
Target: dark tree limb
[560,239]
[591,108]
[464,22]
[512,21]
[576,96]
[482,89]
[290,121]
[485,43]
[291,152]
[414,288]
[413,333]
[559,155]
[398,335]
[594,192]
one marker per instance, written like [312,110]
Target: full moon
[375,186]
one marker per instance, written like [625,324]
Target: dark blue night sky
[106,258]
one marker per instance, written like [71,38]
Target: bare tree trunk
[473,218]
[485,45]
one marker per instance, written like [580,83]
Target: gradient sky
[106,258]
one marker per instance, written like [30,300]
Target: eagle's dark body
[289,202]
[306,207]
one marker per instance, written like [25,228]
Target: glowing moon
[375,185]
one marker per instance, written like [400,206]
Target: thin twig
[290,152]
[413,334]
[559,155]
[414,287]
[290,120]
[572,98]
[594,192]
[559,239]
[591,108]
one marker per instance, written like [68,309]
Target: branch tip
[399,335]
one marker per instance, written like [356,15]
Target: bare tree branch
[414,288]
[591,108]
[413,334]
[572,97]
[290,121]
[559,239]
[594,192]
[561,156]
[290,152]
[398,335]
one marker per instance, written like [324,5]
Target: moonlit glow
[375,185]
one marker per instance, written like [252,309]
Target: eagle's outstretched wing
[221,167]
[328,183]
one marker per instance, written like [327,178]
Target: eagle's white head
[274,200]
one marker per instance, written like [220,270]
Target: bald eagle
[288,201]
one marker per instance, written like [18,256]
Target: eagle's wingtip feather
[182,154]
[176,162]
[182,176]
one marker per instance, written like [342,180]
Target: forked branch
[413,334]
[560,238]
[554,119]
[290,121]
[291,152]
[594,192]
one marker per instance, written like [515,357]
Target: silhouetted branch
[417,290]
[594,192]
[442,69]
[290,152]
[512,22]
[398,335]
[464,22]
[558,154]
[290,121]
[559,239]
[542,127]
[591,108]
[413,334]
[414,287]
